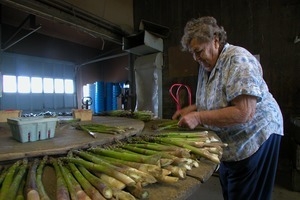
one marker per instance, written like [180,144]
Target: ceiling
[60,20]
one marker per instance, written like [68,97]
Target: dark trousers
[252,178]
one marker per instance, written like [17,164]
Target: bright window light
[23,84]
[9,84]
[59,86]
[86,90]
[36,85]
[69,86]
[48,85]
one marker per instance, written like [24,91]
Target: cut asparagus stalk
[8,179]
[39,174]
[75,189]
[154,170]
[201,152]
[174,150]
[110,181]
[127,156]
[122,195]
[138,191]
[176,171]
[20,193]
[96,182]
[17,180]
[62,192]
[135,174]
[88,188]
[202,134]
[101,168]
[31,189]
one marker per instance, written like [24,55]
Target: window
[9,84]
[59,86]
[69,86]
[25,84]
[36,85]
[48,85]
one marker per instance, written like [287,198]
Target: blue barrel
[109,96]
[99,97]
[92,95]
[116,91]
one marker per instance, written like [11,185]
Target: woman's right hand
[179,113]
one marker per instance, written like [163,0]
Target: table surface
[67,138]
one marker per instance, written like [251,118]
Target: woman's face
[205,53]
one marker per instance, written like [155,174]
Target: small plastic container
[30,129]
[82,114]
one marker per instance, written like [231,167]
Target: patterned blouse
[238,72]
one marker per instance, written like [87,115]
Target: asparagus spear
[110,181]
[174,150]
[75,189]
[20,192]
[129,171]
[3,175]
[154,170]
[101,128]
[176,160]
[8,179]
[62,192]
[88,188]
[17,180]
[31,190]
[138,191]
[39,174]
[162,161]
[101,168]
[201,152]
[199,135]
[122,195]
[96,182]
[127,156]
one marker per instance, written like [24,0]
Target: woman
[233,100]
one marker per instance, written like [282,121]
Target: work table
[67,138]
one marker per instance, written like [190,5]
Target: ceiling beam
[79,19]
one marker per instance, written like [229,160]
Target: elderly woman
[233,100]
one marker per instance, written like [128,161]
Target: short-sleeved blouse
[238,72]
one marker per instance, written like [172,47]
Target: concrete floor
[211,189]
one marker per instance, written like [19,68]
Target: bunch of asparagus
[94,128]
[119,172]
[143,115]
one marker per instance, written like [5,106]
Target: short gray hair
[204,29]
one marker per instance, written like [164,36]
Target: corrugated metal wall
[22,65]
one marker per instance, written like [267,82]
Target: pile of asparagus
[143,115]
[120,172]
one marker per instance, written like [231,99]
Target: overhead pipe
[103,58]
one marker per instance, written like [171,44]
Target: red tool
[176,96]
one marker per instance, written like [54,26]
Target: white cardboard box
[30,129]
